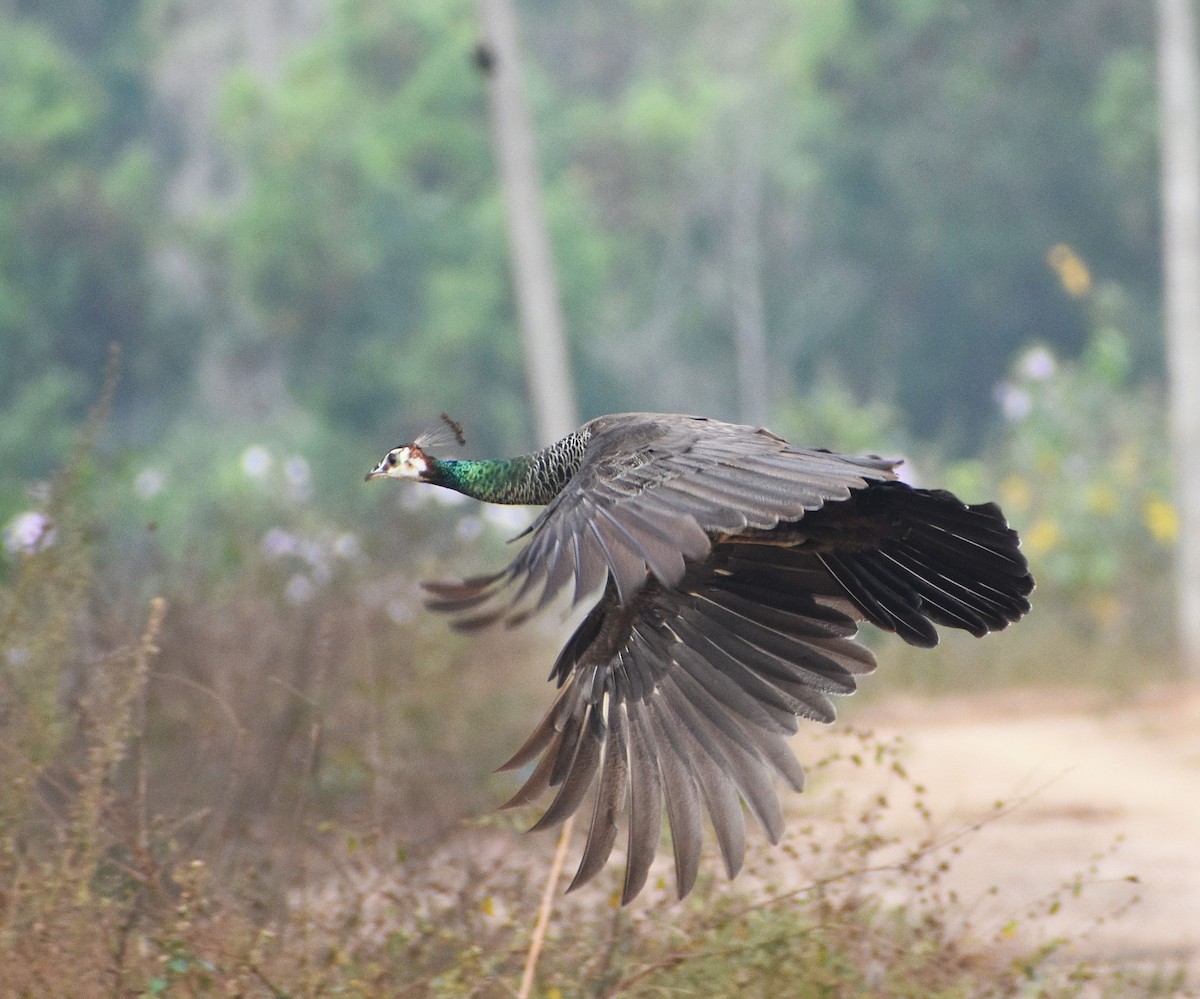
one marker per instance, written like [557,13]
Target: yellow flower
[1101,499]
[1161,519]
[1015,493]
[1071,270]
[1043,536]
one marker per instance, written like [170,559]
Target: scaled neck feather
[528,479]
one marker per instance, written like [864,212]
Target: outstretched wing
[687,698]
[651,494]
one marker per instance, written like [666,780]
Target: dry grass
[123,878]
[234,796]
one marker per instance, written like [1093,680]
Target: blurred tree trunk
[1179,92]
[547,367]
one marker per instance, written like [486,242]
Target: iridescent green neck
[529,479]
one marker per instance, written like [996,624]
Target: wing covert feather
[651,494]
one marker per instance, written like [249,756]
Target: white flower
[346,545]
[1038,364]
[256,461]
[1015,402]
[28,532]
[277,543]
[149,483]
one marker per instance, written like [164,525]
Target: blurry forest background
[944,220]
[941,218]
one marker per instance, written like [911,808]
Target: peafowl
[732,569]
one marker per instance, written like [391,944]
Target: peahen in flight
[732,568]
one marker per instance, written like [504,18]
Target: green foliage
[48,108]
[654,141]
[374,157]
[913,163]
[35,416]
[74,245]
[896,216]
[830,415]
[1086,477]
[1123,111]
[45,120]
[935,194]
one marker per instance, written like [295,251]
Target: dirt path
[1091,776]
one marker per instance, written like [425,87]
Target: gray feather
[732,570]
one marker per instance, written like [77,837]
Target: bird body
[732,569]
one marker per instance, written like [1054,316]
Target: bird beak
[375,473]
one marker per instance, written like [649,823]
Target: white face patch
[401,463]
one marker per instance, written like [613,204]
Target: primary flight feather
[731,569]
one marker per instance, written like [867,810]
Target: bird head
[408,461]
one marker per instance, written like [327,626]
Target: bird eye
[391,459]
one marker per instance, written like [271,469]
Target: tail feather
[885,601]
[933,560]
